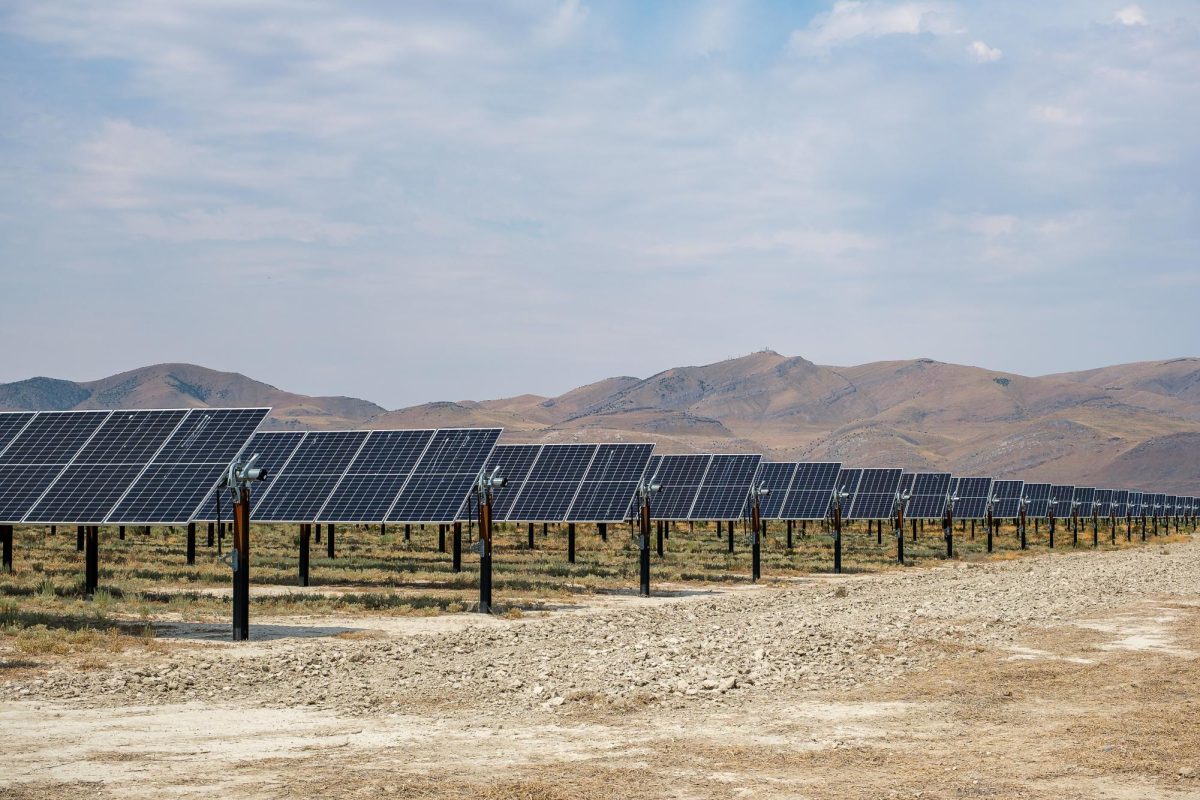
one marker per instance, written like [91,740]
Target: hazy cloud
[427,200]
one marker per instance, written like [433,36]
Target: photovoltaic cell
[608,488]
[1037,500]
[875,497]
[185,470]
[375,477]
[105,467]
[1006,497]
[680,477]
[1120,503]
[1084,497]
[11,424]
[308,478]
[811,491]
[973,497]
[725,488]
[928,493]
[1062,501]
[514,461]
[553,482]
[777,479]
[442,480]
[273,448]
[1103,503]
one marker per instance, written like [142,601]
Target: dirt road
[1066,675]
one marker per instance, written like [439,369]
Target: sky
[446,200]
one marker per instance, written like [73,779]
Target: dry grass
[145,578]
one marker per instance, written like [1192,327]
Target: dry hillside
[1132,424]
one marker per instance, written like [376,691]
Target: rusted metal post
[6,543]
[241,563]
[456,548]
[305,536]
[91,566]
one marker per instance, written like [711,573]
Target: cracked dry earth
[1072,675]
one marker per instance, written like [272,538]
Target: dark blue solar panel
[1084,497]
[11,424]
[725,488]
[875,497]
[1037,500]
[777,479]
[928,492]
[513,461]
[1062,500]
[1007,499]
[608,488]
[680,477]
[812,490]
[445,475]
[53,437]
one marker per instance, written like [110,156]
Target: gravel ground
[827,633]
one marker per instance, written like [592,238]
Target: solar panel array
[1120,503]
[1084,498]
[1062,500]
[973,497]
[1103,503]
[568,482]
[811,491]
[381,476]
[116,467]
[928,495]
[1006,499]
[702,487]
[875,497]
[776,477]
[1037,500]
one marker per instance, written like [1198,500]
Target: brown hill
[186,386]
[1134,424]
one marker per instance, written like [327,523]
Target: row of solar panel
[155,466]
[105,467]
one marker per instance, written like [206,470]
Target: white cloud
[714,27]
[984,54]
[849,20]
[567,20]
[1131,15]
[1057,115]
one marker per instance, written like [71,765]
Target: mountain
[1126,425]
[186,386]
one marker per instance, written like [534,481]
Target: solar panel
[973,498]
[553,483]
[906,482]
[680,477]
[811,491]
[11,424]
[513,461]
[775,477]
[188,466]
[375,477]
[875,497]
[1037,500]
[273,448]
[1169,506]
[305,482]
[928,492]
[442,480]
[1006,499]
[1137,504]
[1103,503]
[726,487]
[82,467]
[1062,500]
[608,488]
[847,484]
[1084,498]
[1120,503]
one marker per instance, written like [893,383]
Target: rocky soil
[710,650]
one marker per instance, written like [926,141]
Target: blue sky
[416,201]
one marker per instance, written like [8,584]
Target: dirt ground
[1066,675]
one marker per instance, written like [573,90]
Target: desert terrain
[1071,674]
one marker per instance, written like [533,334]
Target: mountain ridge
[1106,424]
